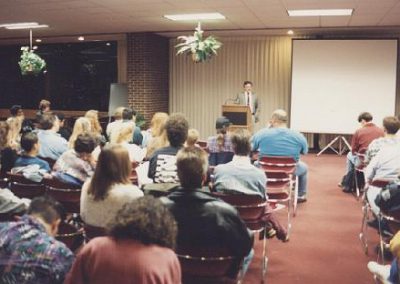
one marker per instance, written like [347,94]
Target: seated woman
[110,187]
[75,166]
[156,136]
[139,250]
[30,146]
[82,125]
[8,154]
[220,146]
[123,135]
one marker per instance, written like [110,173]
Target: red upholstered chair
[251,209]
[25,188]
[286,165]
[359,180]
[68,195]
[367,214]
[93,231]
[70,235]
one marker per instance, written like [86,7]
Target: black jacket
[204,220]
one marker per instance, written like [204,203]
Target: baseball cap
[222,122]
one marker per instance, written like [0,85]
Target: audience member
[64,130]
[11,204]
[110,187]
[44,107]
[117,120]
[279,140]
[240,177]
[156,137]
[193,137]
[52,145]
[220,146]
[76,165]
[93,116]
[129,115]
[138,250]
[359,142]
[17,112]
[123,135]
[30,146]
[82,125]
[391,125]
[204,221]
[29,253]
[162,168]
[15,124]
[8,155]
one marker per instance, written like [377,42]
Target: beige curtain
[199,90]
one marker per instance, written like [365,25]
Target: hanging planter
[200,50]
[30,62]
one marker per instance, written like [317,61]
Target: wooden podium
[239,116]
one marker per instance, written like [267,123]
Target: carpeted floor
[324,245]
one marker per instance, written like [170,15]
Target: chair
[49,160]
[25,188]
[278,188]
[93,231]
[251,209]
[287,165]
[366,209]
[70,235]
[207,265]
[359,180]
[68,195]
[202,144]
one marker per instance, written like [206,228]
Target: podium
[239,115]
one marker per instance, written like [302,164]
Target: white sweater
[100,212]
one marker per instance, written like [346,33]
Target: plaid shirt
[213,146]
[29,255]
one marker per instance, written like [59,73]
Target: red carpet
[324,245]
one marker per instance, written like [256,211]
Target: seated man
[391,125]
[52,145]
[138,250]
[129,115]
[203,220]
[76,165]
[279,140]
[360,141]
[29,253]
[30,146]
[385,165]
[220,146]
[241,177]
[162,168]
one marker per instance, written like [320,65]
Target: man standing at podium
[249,98]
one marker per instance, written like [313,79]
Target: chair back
[68,195]
[70,235]
[361,157]
[278,185]
[278,164]
[251,208]
[207,265]
[93,231]
[25,188]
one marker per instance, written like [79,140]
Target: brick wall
[148,73]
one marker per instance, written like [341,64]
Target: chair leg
[264,261]
[289,216]
[295,188]
[357,186]
[364,227]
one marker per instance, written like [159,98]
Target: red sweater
[364,136]
[105,260]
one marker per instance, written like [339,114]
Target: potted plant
[200,49]
[30,62]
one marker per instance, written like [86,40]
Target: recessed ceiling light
[38,40]
[192,17]
[290,32]
[108,44]
[35,47]
[21,27]
[81,38]
[320,12]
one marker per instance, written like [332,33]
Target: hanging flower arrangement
[200,49]
[30,62]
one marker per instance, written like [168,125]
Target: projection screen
[333,81]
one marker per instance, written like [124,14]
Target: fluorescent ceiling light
[18,24]
[320,12]
[81,38]
[26,27]
[192,17]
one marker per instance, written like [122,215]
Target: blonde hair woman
[122,135]
[93,116]
[159,135]
[82,125]
[110,187]
[15,125]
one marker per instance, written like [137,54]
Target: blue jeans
[351,161]
[246,262]
[301,173]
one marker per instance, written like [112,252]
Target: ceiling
[90,17]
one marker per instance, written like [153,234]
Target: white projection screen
[333,81]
